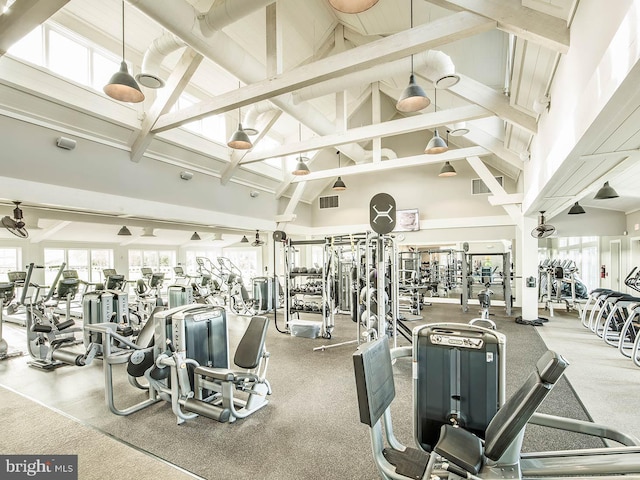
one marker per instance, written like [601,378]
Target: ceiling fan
[15,225]
[543,230]
[257,242]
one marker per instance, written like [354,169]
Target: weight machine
[486,274]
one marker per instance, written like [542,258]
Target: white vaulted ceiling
[507,54]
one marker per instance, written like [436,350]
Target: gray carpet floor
[310,428]
[29,428]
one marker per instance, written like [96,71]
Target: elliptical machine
[46,333]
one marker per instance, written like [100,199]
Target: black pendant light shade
[195,236]
[244,239]
[413,97]
[240,140]
[124,231]
[339,185]
[576,209]
[447,170]
[606,192]
[122,86]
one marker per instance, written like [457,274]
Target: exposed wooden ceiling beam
[509,199]
[476,92]
[496,189]
[22,17]
[263,126]
[407,162]
[494,145]
[49,232]
[393,47]
[167,97]
[385,129]
[546,30]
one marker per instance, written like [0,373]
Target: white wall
[595,222]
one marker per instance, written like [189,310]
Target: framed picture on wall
[407,220]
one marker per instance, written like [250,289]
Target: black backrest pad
[251,344]
[516,412]
[374,379]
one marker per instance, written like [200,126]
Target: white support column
[376,117]
[274,62]
[527,266]
[341,111]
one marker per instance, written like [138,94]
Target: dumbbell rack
[306,288]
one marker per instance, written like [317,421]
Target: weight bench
[499,456]
[253,358]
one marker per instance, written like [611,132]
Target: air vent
[478,187]
[329,202]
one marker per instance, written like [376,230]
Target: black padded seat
[464,449]
[411,462]
[629,298]
[460,447]
[248,354]
[251,346]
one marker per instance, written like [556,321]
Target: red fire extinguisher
[603,271]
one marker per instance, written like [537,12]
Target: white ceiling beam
[509,199]
[494,187]
[396,163]
[494,145]
[265,122]
[295,199]
[393,47]
[167,97]
[49,231]
[476,92]
[511,17]
[366,133]
[22,17]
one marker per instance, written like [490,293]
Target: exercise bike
[484,297]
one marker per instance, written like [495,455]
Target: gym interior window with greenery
[89,263]
[158,260]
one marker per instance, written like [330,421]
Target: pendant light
[576,209]
[244,239]
[195,236]
[339,184]
[413,98]
[606,192]
[240,140]
[124,231]
[123,86]
[352,6]
[447,170]
[436,144]
[301,165]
